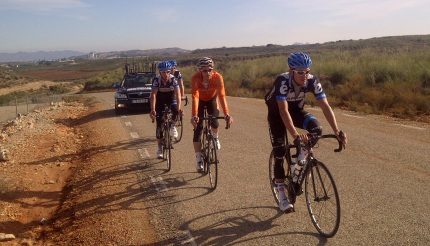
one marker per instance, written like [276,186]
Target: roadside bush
[56,89]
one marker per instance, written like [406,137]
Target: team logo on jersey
[284,88]
[318,88]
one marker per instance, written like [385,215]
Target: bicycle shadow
[236,229]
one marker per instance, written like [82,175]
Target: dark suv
[134,91]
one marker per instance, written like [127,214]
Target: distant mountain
[39,55]
[55,55]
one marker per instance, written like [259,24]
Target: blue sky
[108,25]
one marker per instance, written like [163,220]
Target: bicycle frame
[310,159]
[322,198]
[208,149]
[167,139]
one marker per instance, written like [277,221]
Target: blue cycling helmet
[174,63]
[164,65]
[299,60]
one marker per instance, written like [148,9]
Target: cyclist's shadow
[235,229]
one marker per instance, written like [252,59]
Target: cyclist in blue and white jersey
[165,91]
[178,77]
[285,103]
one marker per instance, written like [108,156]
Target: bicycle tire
[212,164]
[322,199]
[167,147]
[204,152]
[180,128]
[287,181]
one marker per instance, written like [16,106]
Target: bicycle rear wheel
[322,199]
[212,165]
[287,181]
[180,129]
[167,148]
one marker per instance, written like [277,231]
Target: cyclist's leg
[174,108]
[305,120]
[277,137]
[197,136]
[159,133]
[277,132]
[175,111]
[214,111]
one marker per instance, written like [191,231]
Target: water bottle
[296,169]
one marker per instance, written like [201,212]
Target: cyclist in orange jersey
[206,86]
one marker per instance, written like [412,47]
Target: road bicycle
[166,141]
[208,150]
[322,198]
[180,124]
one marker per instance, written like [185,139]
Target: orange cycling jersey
[206,92]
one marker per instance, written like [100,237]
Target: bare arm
[286,118]
[178,98]
[182,89]
[331,119]
[329,115]
[152,102]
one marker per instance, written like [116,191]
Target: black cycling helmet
[299,60]
[205,61]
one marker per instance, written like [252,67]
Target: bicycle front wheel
[212,164]
[167,148]
[322,199]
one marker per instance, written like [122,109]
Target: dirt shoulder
[65,180]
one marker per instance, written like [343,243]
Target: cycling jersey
[165,96]
[208,91]
[165,91]
[284,88]
[177,75]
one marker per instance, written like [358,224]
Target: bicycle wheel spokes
[322,200]
[212,164]
[272,178]
[180,129]
[287,181]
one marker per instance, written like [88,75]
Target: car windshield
[139,81]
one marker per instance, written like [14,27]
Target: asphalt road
[383,178]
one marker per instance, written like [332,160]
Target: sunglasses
[301,72]
[168,71]
[207,71]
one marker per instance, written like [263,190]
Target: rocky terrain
[44,156]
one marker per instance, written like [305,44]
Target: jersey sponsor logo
[284,88]
[318,88]
[270,94]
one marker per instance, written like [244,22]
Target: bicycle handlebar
[165,111]
[341,134]
[186,100]
[209,117]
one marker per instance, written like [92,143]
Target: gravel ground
[59,184]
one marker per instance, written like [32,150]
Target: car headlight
[120,95]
